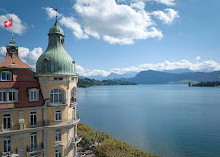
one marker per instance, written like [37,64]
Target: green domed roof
[55,60]
[56,29]
[12,43]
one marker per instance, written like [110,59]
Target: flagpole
[12,28]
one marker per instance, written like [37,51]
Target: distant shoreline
[206,84]
[86,82]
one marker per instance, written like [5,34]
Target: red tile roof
[13,62]
[23,79]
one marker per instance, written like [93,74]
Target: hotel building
[38,109]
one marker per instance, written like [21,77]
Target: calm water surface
[167,120]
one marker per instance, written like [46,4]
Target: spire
[54,9]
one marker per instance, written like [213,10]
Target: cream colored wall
[52,142]
[27,117]
[51,115]
[55,85]
[15,117]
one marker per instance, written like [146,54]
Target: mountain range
[115,76]
[177,76]
[157,77]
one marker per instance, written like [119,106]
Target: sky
[119,36]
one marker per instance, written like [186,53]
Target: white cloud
[19,27]
[138,5]
[52,13]
[166,2]
[115,23]
[198,58]
[205,66]
[88,73]
[2,52]
[167,16]
[209,65]
[27,56]
[71,23]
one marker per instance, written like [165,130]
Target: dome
[12,43]
[56,29]
[55,60]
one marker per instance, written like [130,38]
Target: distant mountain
[157,77]
[114,76]
[178,71]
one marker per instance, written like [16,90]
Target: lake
[166,120]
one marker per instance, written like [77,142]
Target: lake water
[167,120]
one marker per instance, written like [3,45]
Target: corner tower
[55,70]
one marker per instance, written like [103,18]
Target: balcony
[40,124]
[76,139]
[35,149]
[10,154]
[73,102]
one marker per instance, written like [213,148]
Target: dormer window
[33,94]
[6,76]
[3,96]
[8,95]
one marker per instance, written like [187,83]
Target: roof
[12,59]
[56,29]
[22,80]
[55,60]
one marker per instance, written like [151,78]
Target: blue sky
[120,36]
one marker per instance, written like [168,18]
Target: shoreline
[101,144]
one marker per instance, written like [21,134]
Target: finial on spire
[54,9]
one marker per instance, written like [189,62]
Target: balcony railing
[52,122]
[35,149]
[13,153]
[64,121]
[76,139]
[21,126]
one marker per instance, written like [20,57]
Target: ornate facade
[38,110]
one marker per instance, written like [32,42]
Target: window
[33,118]
[58,136]
[11,96]
[8,95]
[58,115]
[73,114]
[58,153]
[33,94]
[6,121]
[33,140]
[56,78]
[6,76]
[73,95]
[56,96]
[7,144]
[2,96]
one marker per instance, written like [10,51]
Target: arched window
[56,96]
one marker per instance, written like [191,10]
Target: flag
[8,23]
